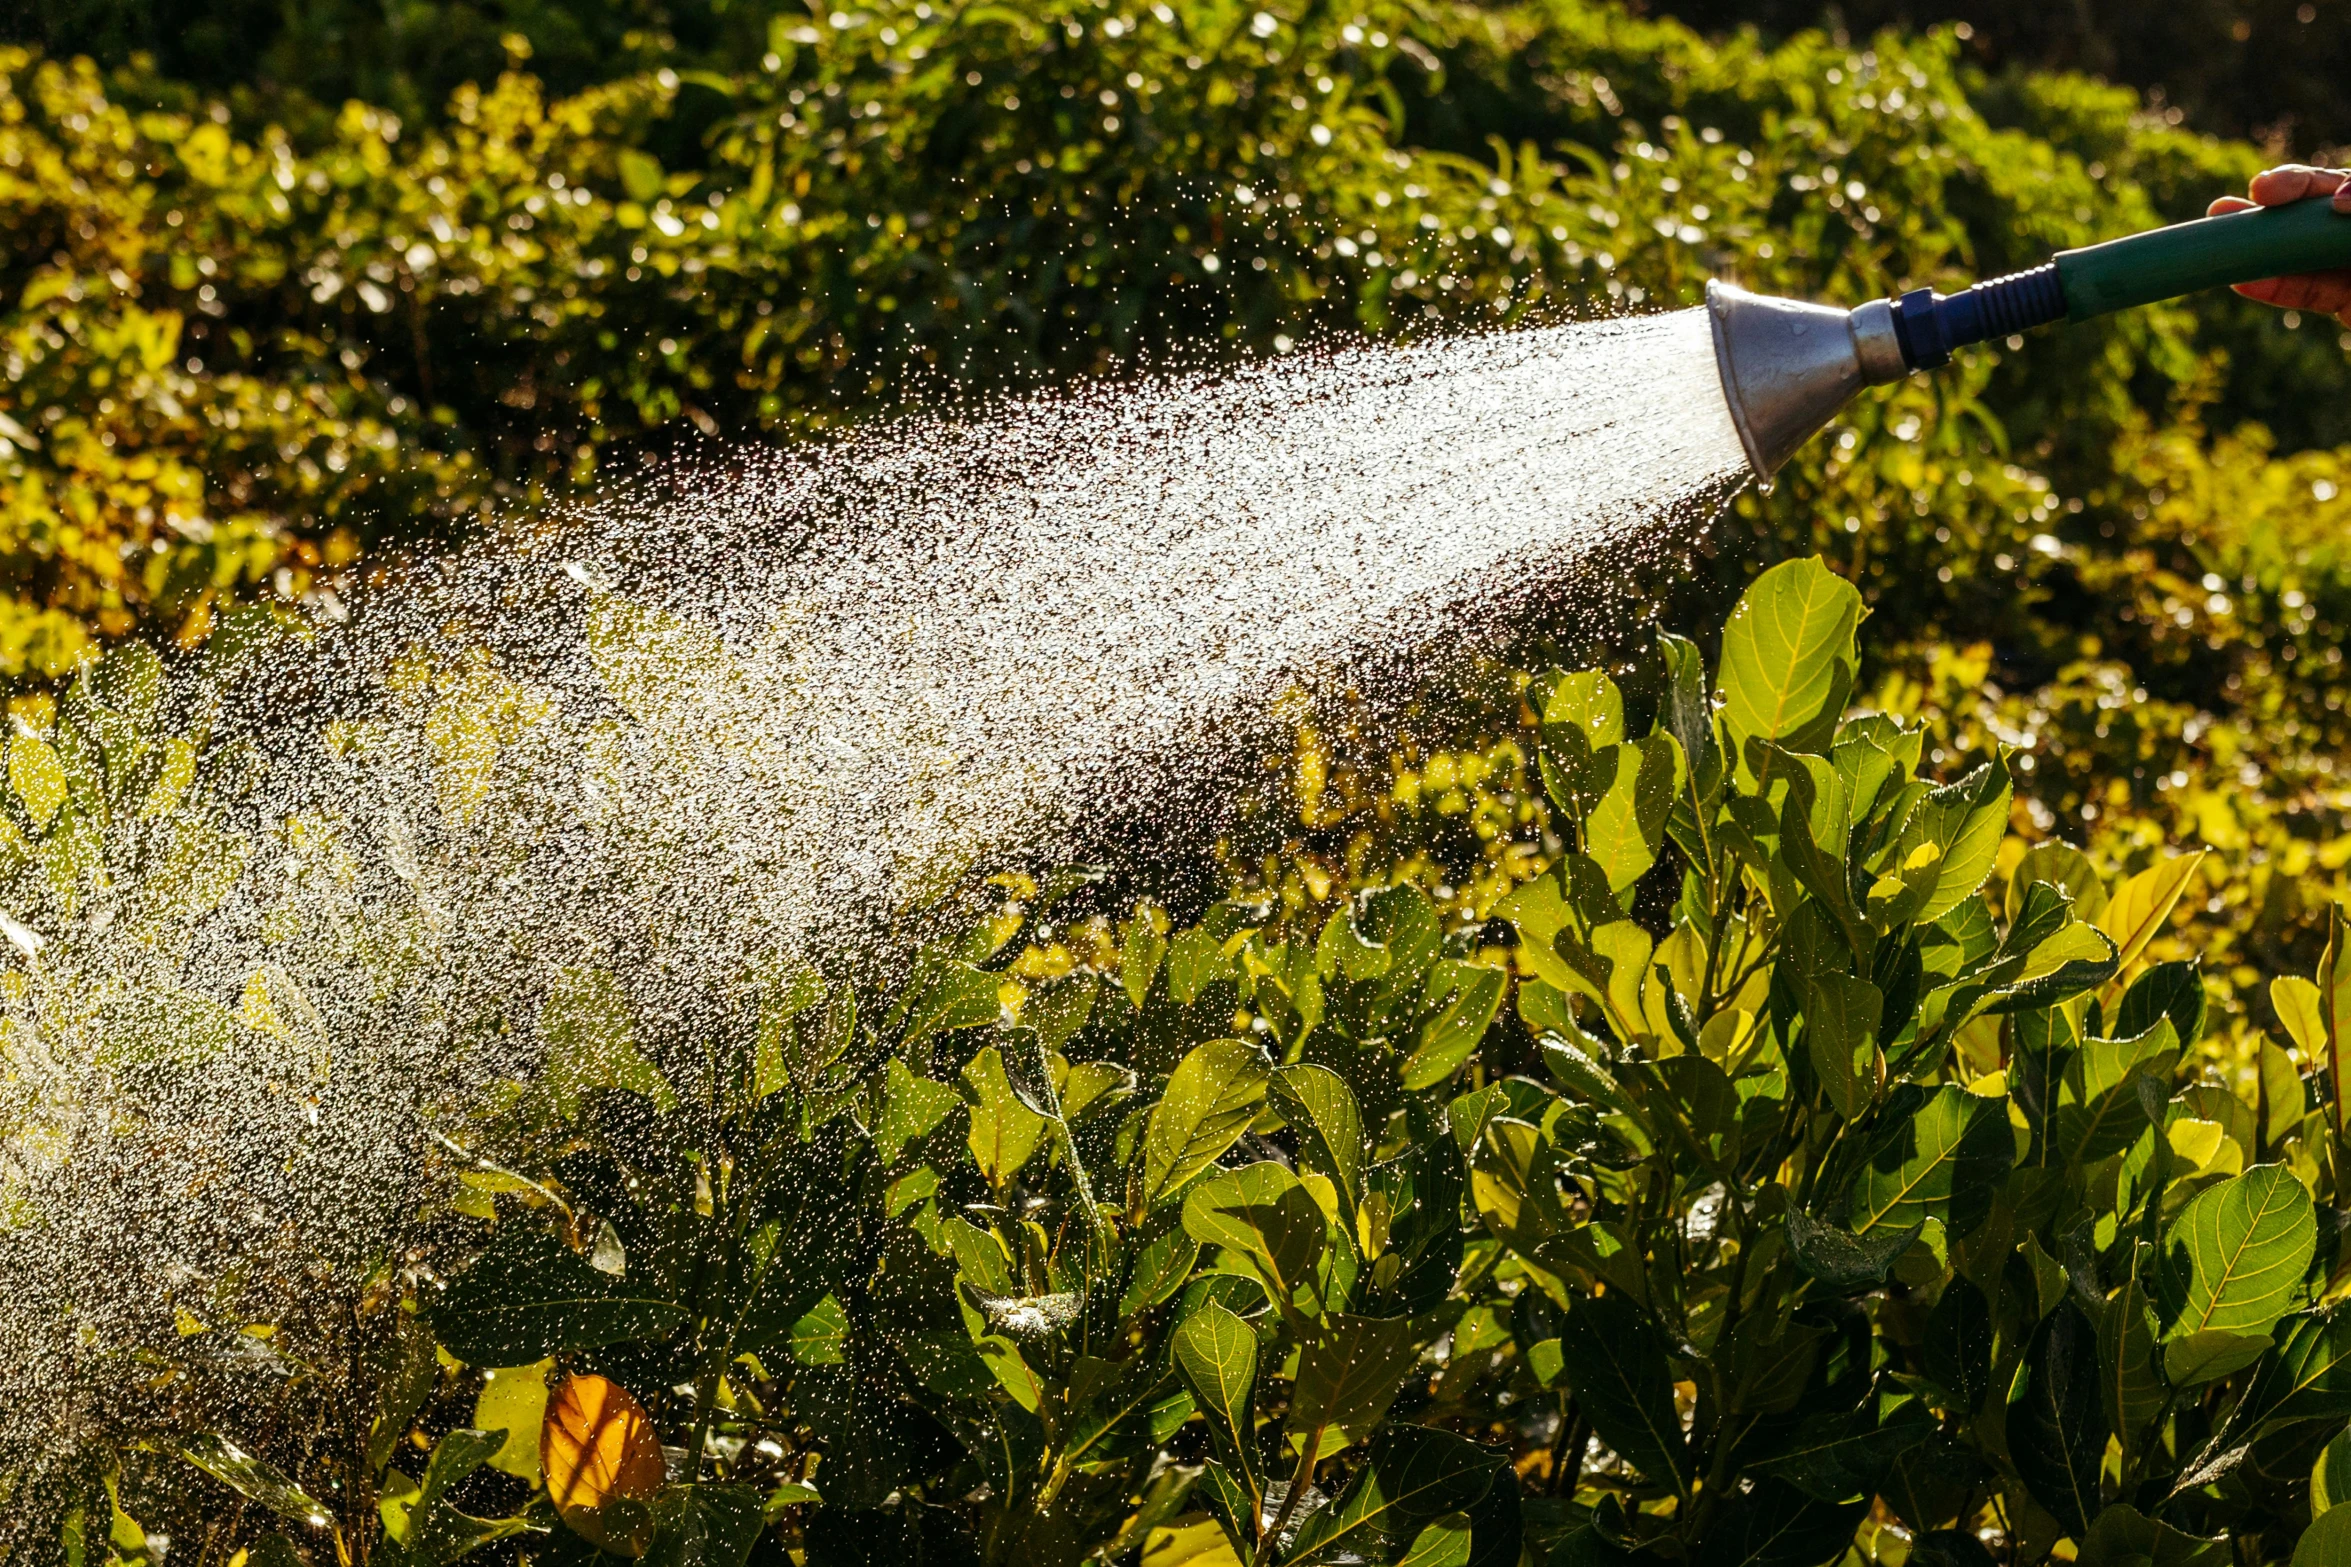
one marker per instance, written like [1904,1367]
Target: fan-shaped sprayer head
[1788,366]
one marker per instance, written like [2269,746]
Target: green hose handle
[2186,258]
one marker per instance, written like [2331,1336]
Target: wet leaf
[530,1296]
[1412,1477]
[602,1463]
[1614,1359]
[255,1478]
[1210,1100]
[2236,1254]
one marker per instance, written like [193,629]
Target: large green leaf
[1842,1260]
[1628,825]
[435,1531]
[1216,1355]
[2334,1011]
[2308,1375]
[1954,834]
[1163,1257]
[530,1296]
[912,1107]
[1840,1038]
[1211,1098]
[706,1525]
[2057,1418]
[2165,990]
[1943,1160]
[957,996]
[1774,1524]
[2130,1375]
[591,1040]
[255,1478]
[1958,1344]
[1844,1457]
[1321,1110]
[2123,1536]
[1614,1359]
[2235,1255]
[1788,656]
[1262,1212]
[1005,1133]
[2100,1111]
[1411,1477]
[1348,1375]
[1471,994]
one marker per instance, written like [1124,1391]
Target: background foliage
[260,337]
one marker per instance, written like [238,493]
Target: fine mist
[616,778]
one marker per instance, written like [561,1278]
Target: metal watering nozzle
[1788,366]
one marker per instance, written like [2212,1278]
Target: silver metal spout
[1788,366]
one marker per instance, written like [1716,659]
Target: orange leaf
[602,1461]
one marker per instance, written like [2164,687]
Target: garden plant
[1789,1164]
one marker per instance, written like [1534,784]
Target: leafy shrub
[1791,1169]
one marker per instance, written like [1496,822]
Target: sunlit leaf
[602,1462]
[1211,1098]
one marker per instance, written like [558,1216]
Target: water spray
[1788,366]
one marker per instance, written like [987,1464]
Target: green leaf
[1444,1543]
[1957,1350]
[591,1040]
[1471,994]
[1774,1524]
[1211,1098]
[1347,1377]
[706,1525]
[530,1296]
[255,1479]
[2236,1254]
[2296,1002]
[912,1108]
[37,776]
[1005,1134]
[514,1400]
[1196,960]
[1262,1212]
[2165,990]
[1321,1110]
[2334,1012]
[958,996]
[2330,1476]
[2130,1377]
[2125,1537]
[1583,721]
[1615,1361]
[1788,655]
[1844,1457]
[1628,825]
[1216,1355]
[1956,832]
[1840,1038]
[819,1336]
[1412,1476]
[1841,1260]
[2327,1542]
[2209,1355]
[2057,1418]
[1944,1160]
[1164,1257]
[437,1532]
[2100,1111]
[2308,1375]
[1139,957]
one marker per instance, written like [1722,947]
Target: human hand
[2326,293]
